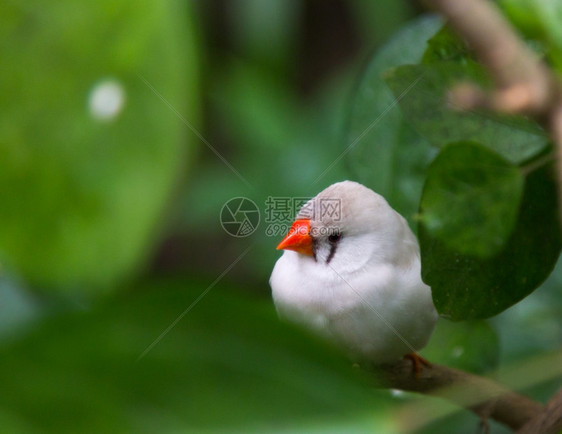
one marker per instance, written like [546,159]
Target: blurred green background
[124,129]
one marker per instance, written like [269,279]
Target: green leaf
[471,199]
[468,287]
[472,346]
[82,189]
[385,153]
[423,90]
[228,364]
[445,45]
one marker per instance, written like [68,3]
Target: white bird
[351,271]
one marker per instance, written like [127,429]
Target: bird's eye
[334,238]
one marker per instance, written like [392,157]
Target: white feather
[369,297]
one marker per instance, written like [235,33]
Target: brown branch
[485,397]
[524,83]
[549,421]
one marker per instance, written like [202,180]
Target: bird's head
[343,223]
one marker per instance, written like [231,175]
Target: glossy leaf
[88,152]
[468,287]
[423,91]
[471,199]
[383,151]
[229,364]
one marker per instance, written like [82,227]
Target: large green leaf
[82,187]
[423,91]
[468,287]
[471,199]
[228,365]
[383,151]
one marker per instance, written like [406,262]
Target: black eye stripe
[333,240]
[332,253]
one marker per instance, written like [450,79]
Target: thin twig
[484,397]
[549,421]
[524,83]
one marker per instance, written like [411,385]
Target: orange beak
[298,238]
